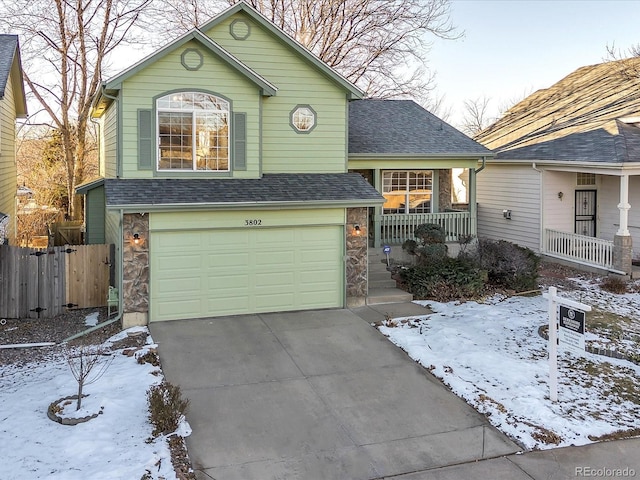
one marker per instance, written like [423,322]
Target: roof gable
[576,119]
[402,127]
[353,91]
[11,68]
[114,84]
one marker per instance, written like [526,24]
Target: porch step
[381,282]
[379,295]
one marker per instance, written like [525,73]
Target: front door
[585,218]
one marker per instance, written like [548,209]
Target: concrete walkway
[323,395]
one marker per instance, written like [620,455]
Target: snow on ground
[112,446]
[490,354]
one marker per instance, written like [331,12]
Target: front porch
[590,252]
[395,229]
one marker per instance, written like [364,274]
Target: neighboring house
[13,105]
[565,181]
[425,169]
[226,188]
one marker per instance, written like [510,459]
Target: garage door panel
[226,272]
[227,305]
[273,281]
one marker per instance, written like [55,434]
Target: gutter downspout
[541,193]
[120,305]
[484,164]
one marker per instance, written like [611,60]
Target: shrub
[166,407]
[508,265]
[429,233]
[614,284]
[431,247]
[445,280]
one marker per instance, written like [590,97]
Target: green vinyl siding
[236,219]
[8,173]
[168,75]
[206,273]
[298,82]
[113,234]
[95,216]
[109,144]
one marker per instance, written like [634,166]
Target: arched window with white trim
[193,132]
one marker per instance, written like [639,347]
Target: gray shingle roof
[8,46]
[577,119]
[286,188]
[405,128]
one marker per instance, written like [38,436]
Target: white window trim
[407,192]
[193,113]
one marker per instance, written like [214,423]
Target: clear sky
[514,47]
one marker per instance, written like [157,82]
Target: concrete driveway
[315,395]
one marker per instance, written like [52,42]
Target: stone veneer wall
[623,253]
[357,248]
[135,269]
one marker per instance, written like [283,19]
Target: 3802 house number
[253,222]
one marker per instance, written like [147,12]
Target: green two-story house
[225,182]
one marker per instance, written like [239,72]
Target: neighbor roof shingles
[329,187]
[403,127]
[8,46]
[576,119]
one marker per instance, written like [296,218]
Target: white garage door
[228,272]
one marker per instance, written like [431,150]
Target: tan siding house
[12,106]
[578,143]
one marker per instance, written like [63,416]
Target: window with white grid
[588,179]
[193,132]
[407,191]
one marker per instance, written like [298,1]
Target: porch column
[377,228]
[622,242]
[473,206]
[435,191]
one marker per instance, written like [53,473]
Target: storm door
[585,219]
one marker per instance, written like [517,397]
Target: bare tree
[87,364]
[476,115]
[65,45]
[626,60]
[380,45]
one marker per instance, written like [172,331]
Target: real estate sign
[571,331]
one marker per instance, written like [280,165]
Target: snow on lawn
[490,354]
[112,445]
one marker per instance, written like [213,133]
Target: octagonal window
[303,119]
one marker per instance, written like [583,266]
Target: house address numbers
[253,222]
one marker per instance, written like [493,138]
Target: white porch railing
[397,228]
[580,248]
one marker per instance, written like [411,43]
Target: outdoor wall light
[560,195]
[136,239]
[357,230]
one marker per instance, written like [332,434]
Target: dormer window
[193,132]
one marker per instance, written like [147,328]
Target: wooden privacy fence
[42,283]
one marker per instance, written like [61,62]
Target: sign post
[572,320]
[386,250]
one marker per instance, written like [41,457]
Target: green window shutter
[240,141]
[145,140]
